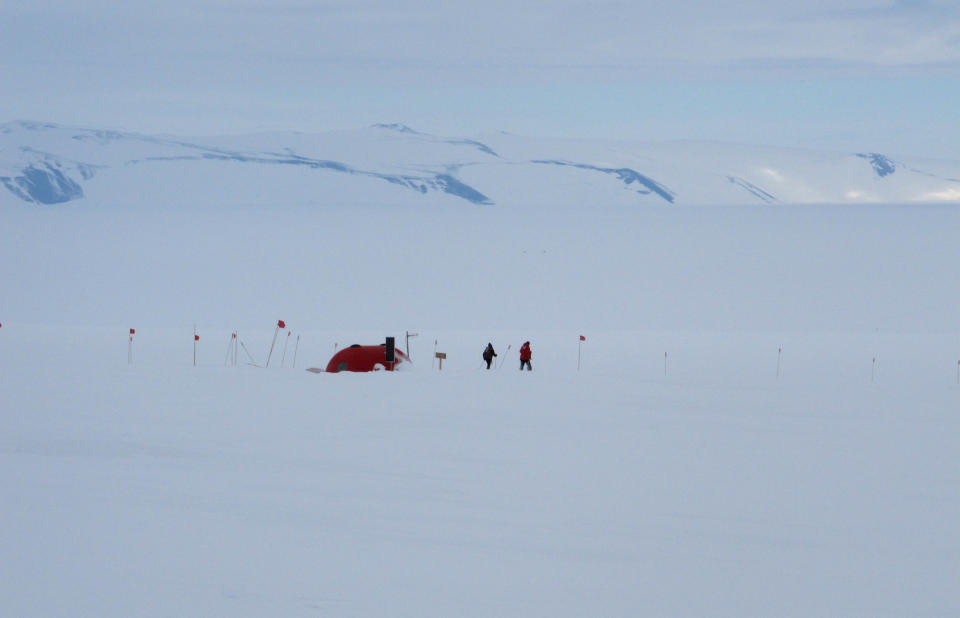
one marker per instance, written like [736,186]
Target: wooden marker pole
[272,343]
[779,352]
[233,348]
[247,352]
[130,347]
[286,341]
[504,359]
[295,348]
[280,324]
[196,340]
[873,369]
[231,359]
[664,364]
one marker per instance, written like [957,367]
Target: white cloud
[773,175]
[947,195]
[860,196]
[288,63]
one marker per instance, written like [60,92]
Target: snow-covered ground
[711,487]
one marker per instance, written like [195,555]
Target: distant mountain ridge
[46,164]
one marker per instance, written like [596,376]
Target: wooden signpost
[441,356]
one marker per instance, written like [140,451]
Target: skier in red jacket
[525,355]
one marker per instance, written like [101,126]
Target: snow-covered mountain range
[42,163]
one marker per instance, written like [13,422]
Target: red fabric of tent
[365,358]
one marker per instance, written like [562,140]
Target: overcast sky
[850,74]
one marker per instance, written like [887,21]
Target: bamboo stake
[275,331]
[504,359]
[247,352]
[286,341]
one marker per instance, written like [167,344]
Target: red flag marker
[133,331]
[281,324]
[582,338]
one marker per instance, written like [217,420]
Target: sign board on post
[441,356]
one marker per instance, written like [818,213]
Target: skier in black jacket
[488,354]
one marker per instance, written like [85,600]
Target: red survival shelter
[365,358]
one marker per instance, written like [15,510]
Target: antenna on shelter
[409,334]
